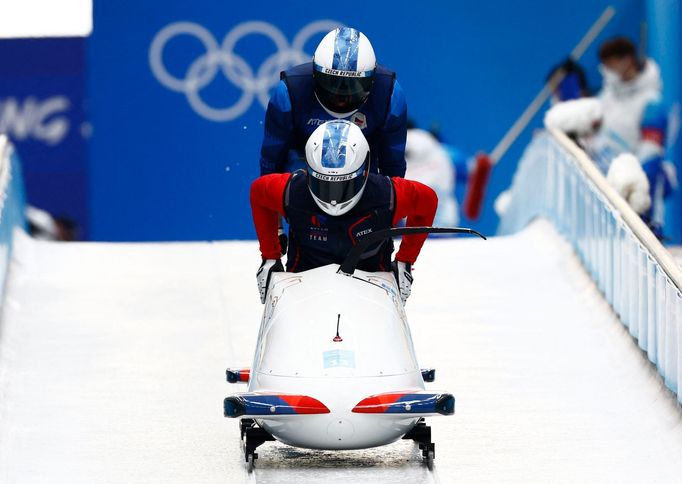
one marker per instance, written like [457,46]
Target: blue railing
[636,274]
[12,203]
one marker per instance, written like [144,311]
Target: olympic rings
[222,58]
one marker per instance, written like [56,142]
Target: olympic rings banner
[221,59]
[178,99]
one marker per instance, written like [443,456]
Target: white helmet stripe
[346,47]
[334,145]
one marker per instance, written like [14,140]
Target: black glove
[267,267]
[403,276]
[283,241]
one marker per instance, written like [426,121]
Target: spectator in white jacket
[634,118]
[627,121]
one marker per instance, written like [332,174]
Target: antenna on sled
[338,338]
[350,263]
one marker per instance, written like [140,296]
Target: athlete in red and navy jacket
[333,203]
[410,199]
[318,239]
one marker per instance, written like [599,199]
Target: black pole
[351,261]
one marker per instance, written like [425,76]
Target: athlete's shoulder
[403,185]
[305,69]
[378,188]
[378,179]
[280,97]
[384,71]
[398,102]
[271,181]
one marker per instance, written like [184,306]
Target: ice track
[112,360]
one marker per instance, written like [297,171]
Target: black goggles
[337,189]
[342,94]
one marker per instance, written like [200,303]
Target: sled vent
[418,403]
[258,404]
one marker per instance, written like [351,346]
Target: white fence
[637,275]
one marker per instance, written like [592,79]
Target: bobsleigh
[334,366]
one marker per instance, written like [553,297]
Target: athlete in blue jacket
[343,82]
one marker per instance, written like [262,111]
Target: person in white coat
[634,118]
[430,164]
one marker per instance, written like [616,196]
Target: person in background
[44,226]
[429,163]
[463,163]
[335,202]
[635,119]
[573,85]
[624,129]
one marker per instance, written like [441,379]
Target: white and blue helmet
[343,71]
[337,154]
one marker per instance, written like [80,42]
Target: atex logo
[31,118]
[253,82]
[315,122]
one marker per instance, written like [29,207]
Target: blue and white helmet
[337,154]
[343,71]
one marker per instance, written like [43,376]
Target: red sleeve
[653,134]
[267,202]
[418,203]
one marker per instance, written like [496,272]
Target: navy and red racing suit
[319,239]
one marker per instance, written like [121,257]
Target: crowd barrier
[637,275]
[12,203]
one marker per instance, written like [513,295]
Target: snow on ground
[112,361]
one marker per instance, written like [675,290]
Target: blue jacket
[294,113]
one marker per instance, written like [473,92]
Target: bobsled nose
[340,429]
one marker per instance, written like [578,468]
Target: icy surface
[112,362]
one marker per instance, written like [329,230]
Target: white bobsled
[335,366]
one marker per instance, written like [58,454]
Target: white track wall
[12,202]
[638,277]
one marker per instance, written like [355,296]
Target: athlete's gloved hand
[403,276]
[264,273]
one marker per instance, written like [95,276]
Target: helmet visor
[337,189]
[339,93]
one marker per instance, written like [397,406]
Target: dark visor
[341,94]
[335,188]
